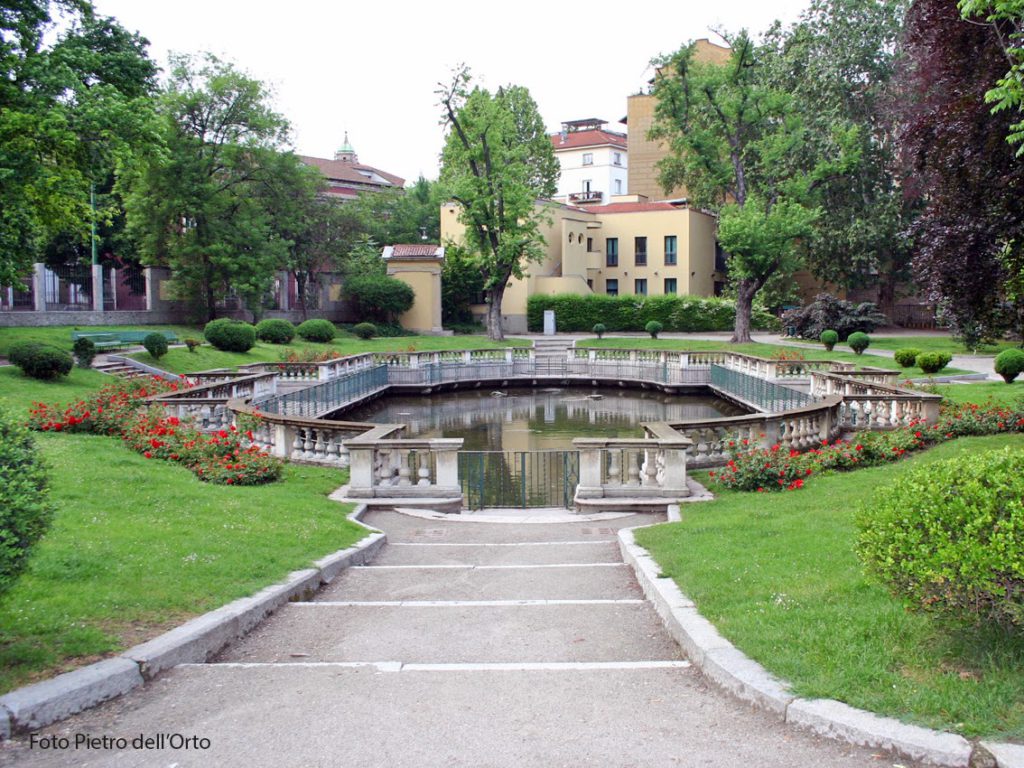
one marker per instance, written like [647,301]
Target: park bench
[118,339]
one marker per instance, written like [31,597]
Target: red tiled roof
[634,207]
[404,250]
[336,170]
[593,138]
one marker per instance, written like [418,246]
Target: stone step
[524,553]
[624,631]
[604,581]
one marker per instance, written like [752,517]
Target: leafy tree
[402,215]
[461,283]
[496,163]
[739,146]
[959,166]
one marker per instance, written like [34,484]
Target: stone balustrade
[396,469]
[875,405]
[636,469]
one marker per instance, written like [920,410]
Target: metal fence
[321,399]
[766,395]
[124,288]
[439,373]
[68,287]
[518,478]
[16,300]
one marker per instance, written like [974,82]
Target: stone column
[39,287]
[285,293]
[360,470]
[447,462]
[97,287]
[674,477]
[150,288]
[591,457]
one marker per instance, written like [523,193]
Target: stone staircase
[119,369]
[551,347]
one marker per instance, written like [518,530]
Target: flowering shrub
[764,469]
[785,355]
[309,355]
[105,412]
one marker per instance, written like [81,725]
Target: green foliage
[364,330]
[654,328]
[230,335]
[1010,364]
[25,511]
[949,538]
[461,283]
[933,362]
[858,342]
[829,338]
[380,298]
[40,361]
[317,330]
[906,357]
[599,329]
[84,351]
[828,312]
[156,345]
[275,331]
[632,313]
[193,344]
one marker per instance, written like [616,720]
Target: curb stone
[197,640]
[747,680]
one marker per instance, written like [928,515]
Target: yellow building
[624,248]
[418,266]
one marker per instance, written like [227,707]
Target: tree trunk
[746,289]
[494,330]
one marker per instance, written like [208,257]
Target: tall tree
[958,164]
[496,163]
[739,146]
[402,215]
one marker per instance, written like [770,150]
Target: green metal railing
[766,395]
[321,399]
[518,478]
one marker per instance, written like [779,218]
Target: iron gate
[518,478]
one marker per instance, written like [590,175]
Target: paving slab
[526,553]
[584,632]
[298,717]
[502,582]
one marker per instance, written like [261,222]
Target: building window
[590,284]
[611,252]
[640,251]
[616,158]
[611,287]
[720,259]
[671,255]
[640,287]
[588,158]
[670,285]
[590,244]
[618,186]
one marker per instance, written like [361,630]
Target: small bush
[599,329]
[859,342]
[844,317]
[317,330]
[364,330]
[933,362]
[156,345]
[654,328]
[25,511]
[465,328]
[230,335]
[907,357]
[40,361]
[275,331]
[85,351]
[947,537]
[193,345]
[379,297]
[1010,364]
[829,339]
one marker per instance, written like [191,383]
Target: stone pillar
[285,293]
[360,470]
[674,477]
[150,288]
[591,457]
[97,287]
[447,462]
[39,287]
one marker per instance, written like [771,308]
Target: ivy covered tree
[496,163]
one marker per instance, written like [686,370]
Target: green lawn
[776,573]
[927,344]
[997,392]
[60,335]
[18,391]
[761,350]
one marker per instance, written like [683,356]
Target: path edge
[196,641]
[745,679]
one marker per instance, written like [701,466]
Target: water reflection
[523,419]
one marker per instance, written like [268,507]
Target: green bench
[118,339]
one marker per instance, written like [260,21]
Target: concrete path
[461,644]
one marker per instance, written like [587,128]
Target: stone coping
[744,678]
[196,641]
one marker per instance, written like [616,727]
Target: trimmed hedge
[1010,364]
[84,351]
[933,362]
[829,338]
[858,342]
[40,361]
[156,345]
[317,330]
[633,313]
[906,357]
[364,330]
[275,331]
[230,335]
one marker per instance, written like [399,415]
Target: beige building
[419,267]
[625,248]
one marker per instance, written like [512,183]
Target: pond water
[525,419]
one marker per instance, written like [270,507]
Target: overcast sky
[371,68]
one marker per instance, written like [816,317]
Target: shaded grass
[777,574]
[60,335]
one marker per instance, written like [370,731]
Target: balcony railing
[586,197]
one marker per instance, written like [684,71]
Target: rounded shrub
[230,335]
[156,345]
[379,297]
[654,328]
[906,357]
[947,536]
[1010,364]
[275,331]
[25,511]
[364,330]
[858,342]
[599,329]
[317,330]
[829,339]
[85,351]
[933,362]
[40,361]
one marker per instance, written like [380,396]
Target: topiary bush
[25,510]
[859,342]
[1010,364]
[933,362]
[599,329]
[275,331]
[906,357]
[317,330]
[379,297]
[948,537]
[156,345]
[84,351]
[654,328]
[40,361]
[364,330]
[829,338]
[230,335]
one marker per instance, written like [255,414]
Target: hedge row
[633,313]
